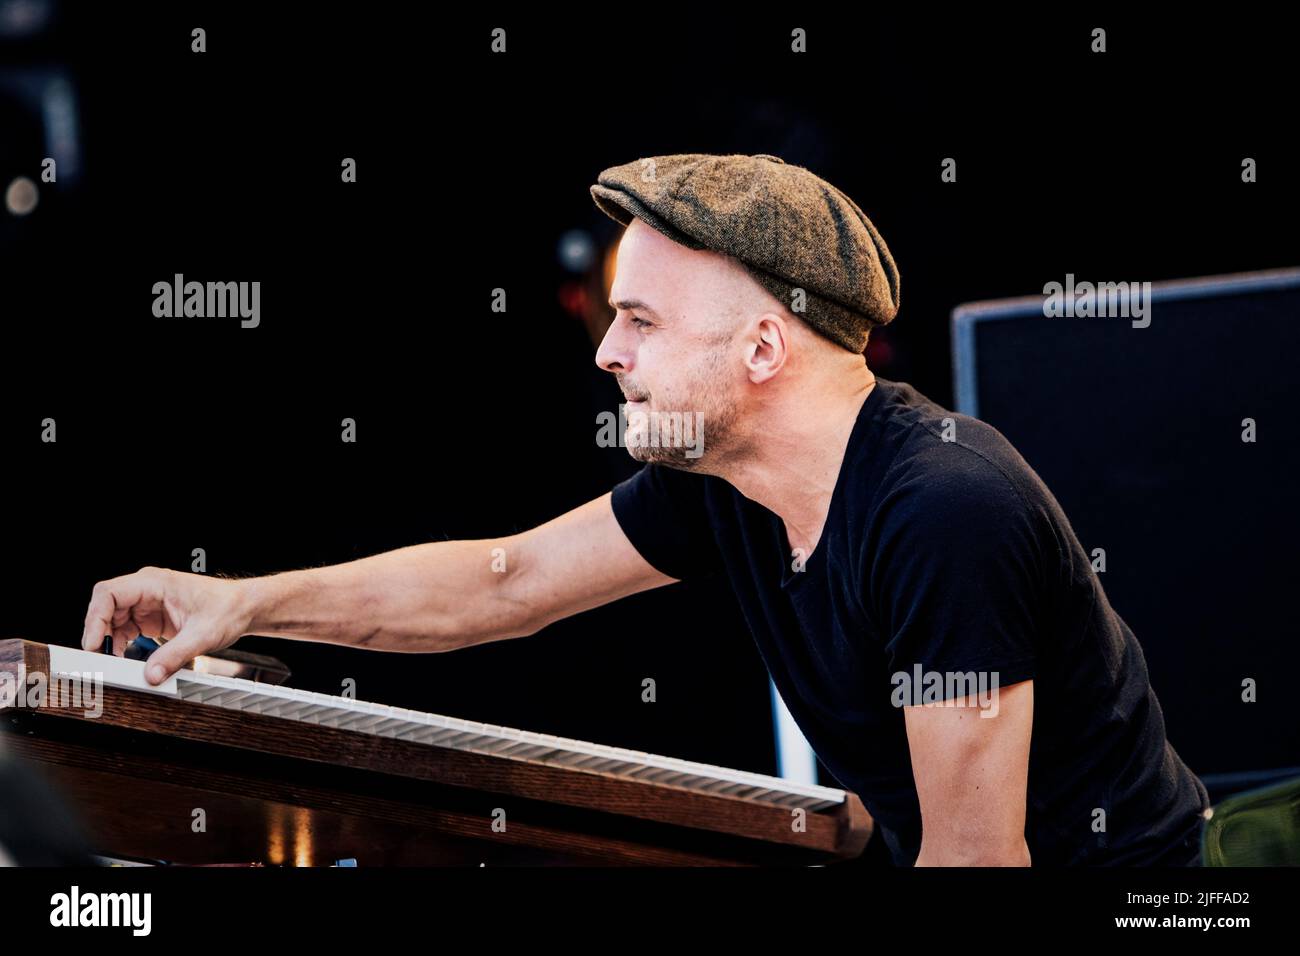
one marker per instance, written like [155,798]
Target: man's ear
[767,346]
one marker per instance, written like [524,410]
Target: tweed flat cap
[790,228]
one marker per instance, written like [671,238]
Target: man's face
[670,347]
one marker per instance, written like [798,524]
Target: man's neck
[793,466]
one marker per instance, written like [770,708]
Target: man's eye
[639,322]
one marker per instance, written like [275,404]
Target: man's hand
[971,775]
[194,613]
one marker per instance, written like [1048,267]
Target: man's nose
[615,352]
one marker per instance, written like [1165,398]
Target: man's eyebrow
[631,304]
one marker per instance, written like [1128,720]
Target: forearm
[419,599]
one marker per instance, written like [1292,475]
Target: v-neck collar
[814,562]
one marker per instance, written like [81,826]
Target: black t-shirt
[942,548]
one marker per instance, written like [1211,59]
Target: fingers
[175,654]
[112,604]
[122,636]
[157,603]
[99,618]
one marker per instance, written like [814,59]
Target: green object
[1255,828]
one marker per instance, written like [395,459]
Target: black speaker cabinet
[1169,441]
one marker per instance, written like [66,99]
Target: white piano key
[114,671]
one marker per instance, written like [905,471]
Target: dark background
[224,166]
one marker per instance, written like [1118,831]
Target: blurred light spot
[573,298]
[22,196]
[60,110]
[577,251]
[22,17]
[302,845]
[880,354]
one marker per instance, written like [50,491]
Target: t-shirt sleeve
[664,513]
[954,581]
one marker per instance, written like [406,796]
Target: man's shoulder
[911,415]
[945,460]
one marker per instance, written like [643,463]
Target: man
[918,596]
